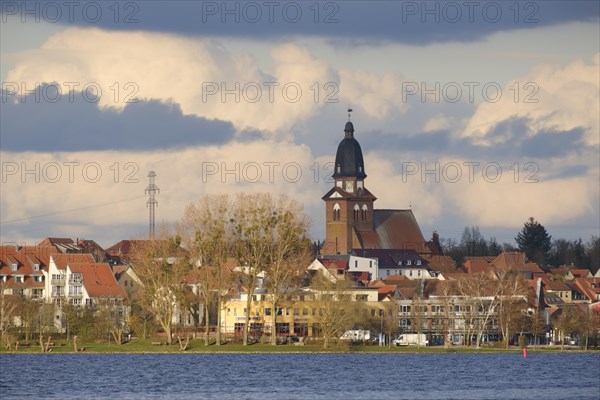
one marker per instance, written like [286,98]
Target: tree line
[534,240]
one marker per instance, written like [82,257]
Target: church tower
[348,205]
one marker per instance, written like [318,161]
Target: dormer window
[13,266]
[408,262]
[418,262]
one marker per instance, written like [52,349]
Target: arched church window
[336,212]
[364,212]
[356,210]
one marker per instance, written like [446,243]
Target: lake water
[300,376]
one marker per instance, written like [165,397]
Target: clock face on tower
[350,186]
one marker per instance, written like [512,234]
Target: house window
[314,311]
[19,279]
[410,273]
[336,212]
[418,262]
[13,266]
[36,267]
[387,271]
[235,312]
[228,312]
[305,311]
[362,297]
[371,264]
[356,209]
[296,311]
[408,262]
[355,263]
[364,212]
[267,311]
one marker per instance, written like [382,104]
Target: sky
[481,113]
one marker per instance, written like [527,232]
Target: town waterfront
[300,376]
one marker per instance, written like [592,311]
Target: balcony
[57,281]
[57,295]
[75,282]
[75,295]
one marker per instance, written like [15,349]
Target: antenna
[151,190]
[349,111]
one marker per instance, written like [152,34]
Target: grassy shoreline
[137,346]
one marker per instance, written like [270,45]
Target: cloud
[549,99]
[104,190]
[199,75]
[81,125]
[345,23]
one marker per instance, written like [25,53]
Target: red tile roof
[25,258]
[61,260]
[440,263]
[98,280]
[334,264]
[124,247]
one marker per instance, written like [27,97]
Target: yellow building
[302,313]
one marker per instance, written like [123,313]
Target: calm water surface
[300,376]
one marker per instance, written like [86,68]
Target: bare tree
[206,229]
[418,316]
[538,326]
[290,254]
[261,224]
[482,294]
[569,323]
[445,291]
[162,269]
[511,302]
[336,313]
[8,311]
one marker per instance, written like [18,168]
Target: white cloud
[79,196]
[376,96]
[199,74]
[550,98]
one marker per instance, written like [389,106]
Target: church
[356,231]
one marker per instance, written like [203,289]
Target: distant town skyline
[469,114]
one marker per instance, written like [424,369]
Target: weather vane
[349,111]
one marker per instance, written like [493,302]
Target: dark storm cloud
[514,144]
[81,125]
[549,144]
[344,22]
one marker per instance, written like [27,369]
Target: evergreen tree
[534,241]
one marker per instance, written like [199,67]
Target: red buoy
[525,352]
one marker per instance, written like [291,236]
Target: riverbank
[197,346]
